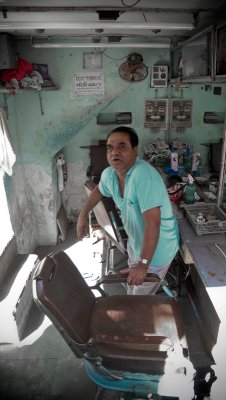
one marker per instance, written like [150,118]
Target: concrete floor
[42,367]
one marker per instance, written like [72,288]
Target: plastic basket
[216,225]
[157,153]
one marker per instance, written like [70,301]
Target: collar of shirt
[113,172]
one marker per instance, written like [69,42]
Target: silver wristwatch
[144,261]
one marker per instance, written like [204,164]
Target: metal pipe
[222,169]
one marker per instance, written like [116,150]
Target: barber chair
[134,346]
[106,213]
[109,219]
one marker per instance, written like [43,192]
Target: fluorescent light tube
[24,25]
[99,45]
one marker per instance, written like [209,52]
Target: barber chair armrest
[122,276]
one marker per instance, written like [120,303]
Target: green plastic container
[189,196]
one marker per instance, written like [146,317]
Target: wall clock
[133,69]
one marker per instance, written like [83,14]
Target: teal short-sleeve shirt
[144,189]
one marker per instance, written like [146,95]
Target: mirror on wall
[196,55]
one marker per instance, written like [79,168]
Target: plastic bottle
[187,160]
[174,160]
[195,162]
[180,170]
[175,144]
[199,171]
[190,191]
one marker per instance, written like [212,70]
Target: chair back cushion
[64,296]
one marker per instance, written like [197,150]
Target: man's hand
[137,274]
[82,224]
[82,227]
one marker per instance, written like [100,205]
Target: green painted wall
[73,118]
[69,121]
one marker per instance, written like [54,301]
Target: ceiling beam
[107,8]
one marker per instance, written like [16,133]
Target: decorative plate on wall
[133,69]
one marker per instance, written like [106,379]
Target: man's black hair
[134,140]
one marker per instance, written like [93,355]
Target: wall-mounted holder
[119,118]
[214,117]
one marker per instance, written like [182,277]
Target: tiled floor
[42,367]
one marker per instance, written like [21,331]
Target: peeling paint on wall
[33,208]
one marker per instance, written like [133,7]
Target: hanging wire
[102,51]
[144,17]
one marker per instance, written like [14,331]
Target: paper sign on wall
[89,83]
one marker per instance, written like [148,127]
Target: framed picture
[92,60]
[156,113]
[180,113]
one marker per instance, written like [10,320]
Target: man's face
[120,154]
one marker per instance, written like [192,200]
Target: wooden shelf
[47,86]
[44,87]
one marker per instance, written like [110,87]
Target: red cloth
[23,68]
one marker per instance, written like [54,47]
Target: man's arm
[138,273]
[82,224]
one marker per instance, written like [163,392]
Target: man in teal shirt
[141,195]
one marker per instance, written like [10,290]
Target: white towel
[7,155]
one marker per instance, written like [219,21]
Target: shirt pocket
[132,203]
[133,207]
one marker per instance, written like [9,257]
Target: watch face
[144,261]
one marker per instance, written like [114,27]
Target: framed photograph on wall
[180,113]
[156,113]
[92,60]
